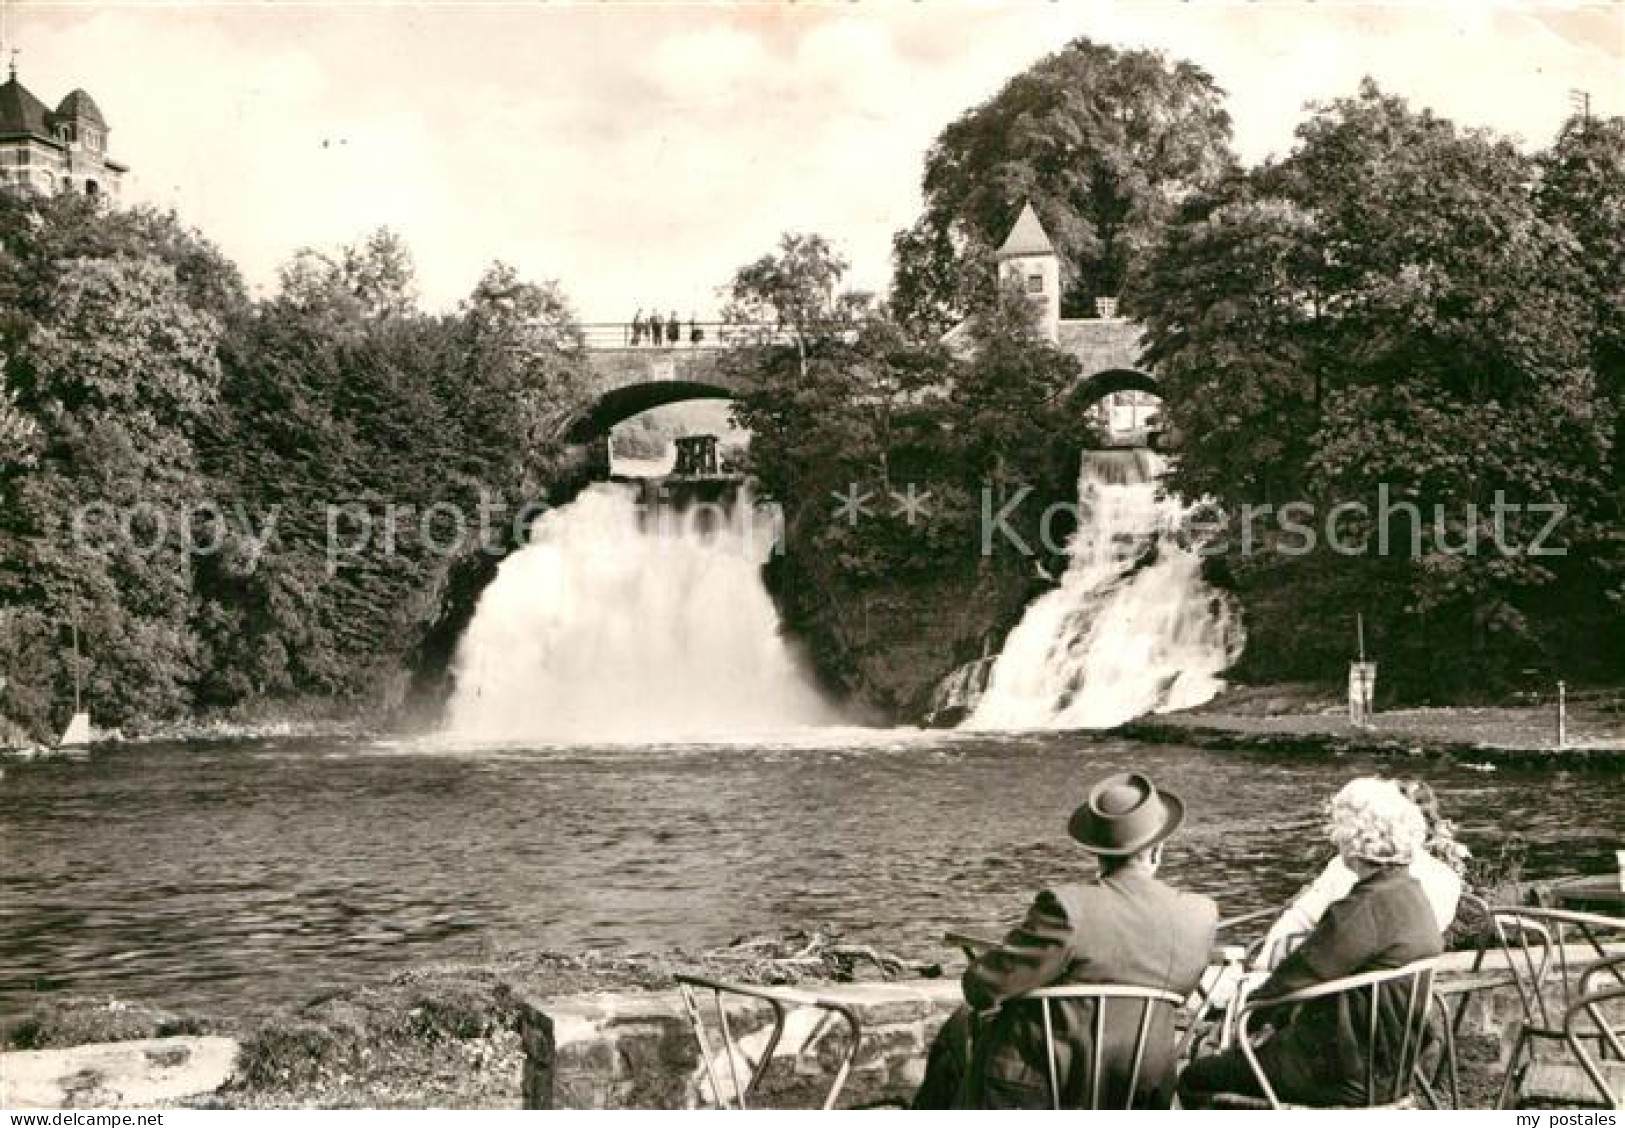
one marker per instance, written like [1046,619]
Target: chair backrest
[1534,943]
[1113,1004]
[781,1001]
[1524,939]
[1412,988]
[1590,1005]
[973,944]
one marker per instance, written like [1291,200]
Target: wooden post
[1562,715]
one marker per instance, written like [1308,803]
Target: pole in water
[1562,715]
[1359,630]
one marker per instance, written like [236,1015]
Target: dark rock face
[536,1038]
[886,648]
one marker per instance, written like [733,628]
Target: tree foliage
[1105,143]
[210,439]
[119,371]
[1397,307]
[861,419]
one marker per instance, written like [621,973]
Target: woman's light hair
[1372,819]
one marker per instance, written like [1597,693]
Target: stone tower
[1029,258]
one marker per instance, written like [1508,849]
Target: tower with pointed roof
[1028,258]
[60,150]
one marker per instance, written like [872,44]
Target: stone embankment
[550,1032]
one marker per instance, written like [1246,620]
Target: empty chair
[1549,981]
[731,1086]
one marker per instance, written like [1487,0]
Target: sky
[638,153]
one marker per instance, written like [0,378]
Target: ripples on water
[231,878]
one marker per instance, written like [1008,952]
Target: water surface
[231,878]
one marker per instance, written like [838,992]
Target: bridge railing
[690,335]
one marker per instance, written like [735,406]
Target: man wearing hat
[1125,927]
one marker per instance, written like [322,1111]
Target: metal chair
[782,1001]
[1393,1091]
[1607,1076]
[1532,943]
[1103,995]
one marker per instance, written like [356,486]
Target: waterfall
[622,621]
[1132,628]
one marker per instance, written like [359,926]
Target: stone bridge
[628,379]
[1108,352]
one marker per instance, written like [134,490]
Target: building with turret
[60,150]
[1105,345]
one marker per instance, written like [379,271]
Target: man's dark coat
[1129,928]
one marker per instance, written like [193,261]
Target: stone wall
[637,1050]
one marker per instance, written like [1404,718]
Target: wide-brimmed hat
[1125,814]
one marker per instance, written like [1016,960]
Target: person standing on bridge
[637,327]
[695,333]
[674,329]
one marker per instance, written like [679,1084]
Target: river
[235,877]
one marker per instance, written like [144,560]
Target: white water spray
[619,624]
[1131,629]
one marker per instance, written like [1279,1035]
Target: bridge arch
[622,382]
[1092,389]
[616,405]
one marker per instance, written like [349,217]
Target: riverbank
[306,719]
[1298,718]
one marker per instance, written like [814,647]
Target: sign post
[1362,682]
[1362,691]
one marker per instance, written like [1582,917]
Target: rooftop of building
[24,115]
[21,112]
[1027,237]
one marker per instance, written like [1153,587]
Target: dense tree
[374,278]
[118,372]
[1105,144]
[1582,186]
[18,432]
[1233,301]
[174,456]
[884,451]
[793,294]
[1389,312]
[519,369]
[355,420]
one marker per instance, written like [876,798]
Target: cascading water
[624,622]
[1132,627]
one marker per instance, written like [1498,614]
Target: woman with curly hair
[1316,1055]
[1438,866]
